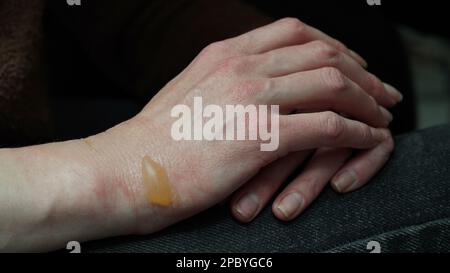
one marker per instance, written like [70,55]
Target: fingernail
[387,115]
[290,204]
[393,92]
[345,180]
[248,206]
[359,58]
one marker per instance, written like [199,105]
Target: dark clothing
[24,110]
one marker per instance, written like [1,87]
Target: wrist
[53,194]
[124,148]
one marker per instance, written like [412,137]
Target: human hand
[286,63]
[348,170]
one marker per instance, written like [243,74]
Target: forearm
[87,189]
[51,194]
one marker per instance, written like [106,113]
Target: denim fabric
[433,236]
[406,208]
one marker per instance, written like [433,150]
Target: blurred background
[429,56]
[423,27]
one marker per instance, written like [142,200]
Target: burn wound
[156,183]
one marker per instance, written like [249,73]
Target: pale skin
[93,188]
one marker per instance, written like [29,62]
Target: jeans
[405,208]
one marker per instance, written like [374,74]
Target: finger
[317,54]
[326,129]
[283,33]
[326,89]
[360,169]
[248,201]
[306,187]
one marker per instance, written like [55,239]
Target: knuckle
[340,46]
[268,89]
[372,102]
[294,25]
[265,63]
[209,50]
[390,144]
[215,49]
[372,105]
[374,84]
[366,133]
[327,52]
[267,85]
[220,46]
[386,148]
[332,124]
[235,65]
[334,80]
